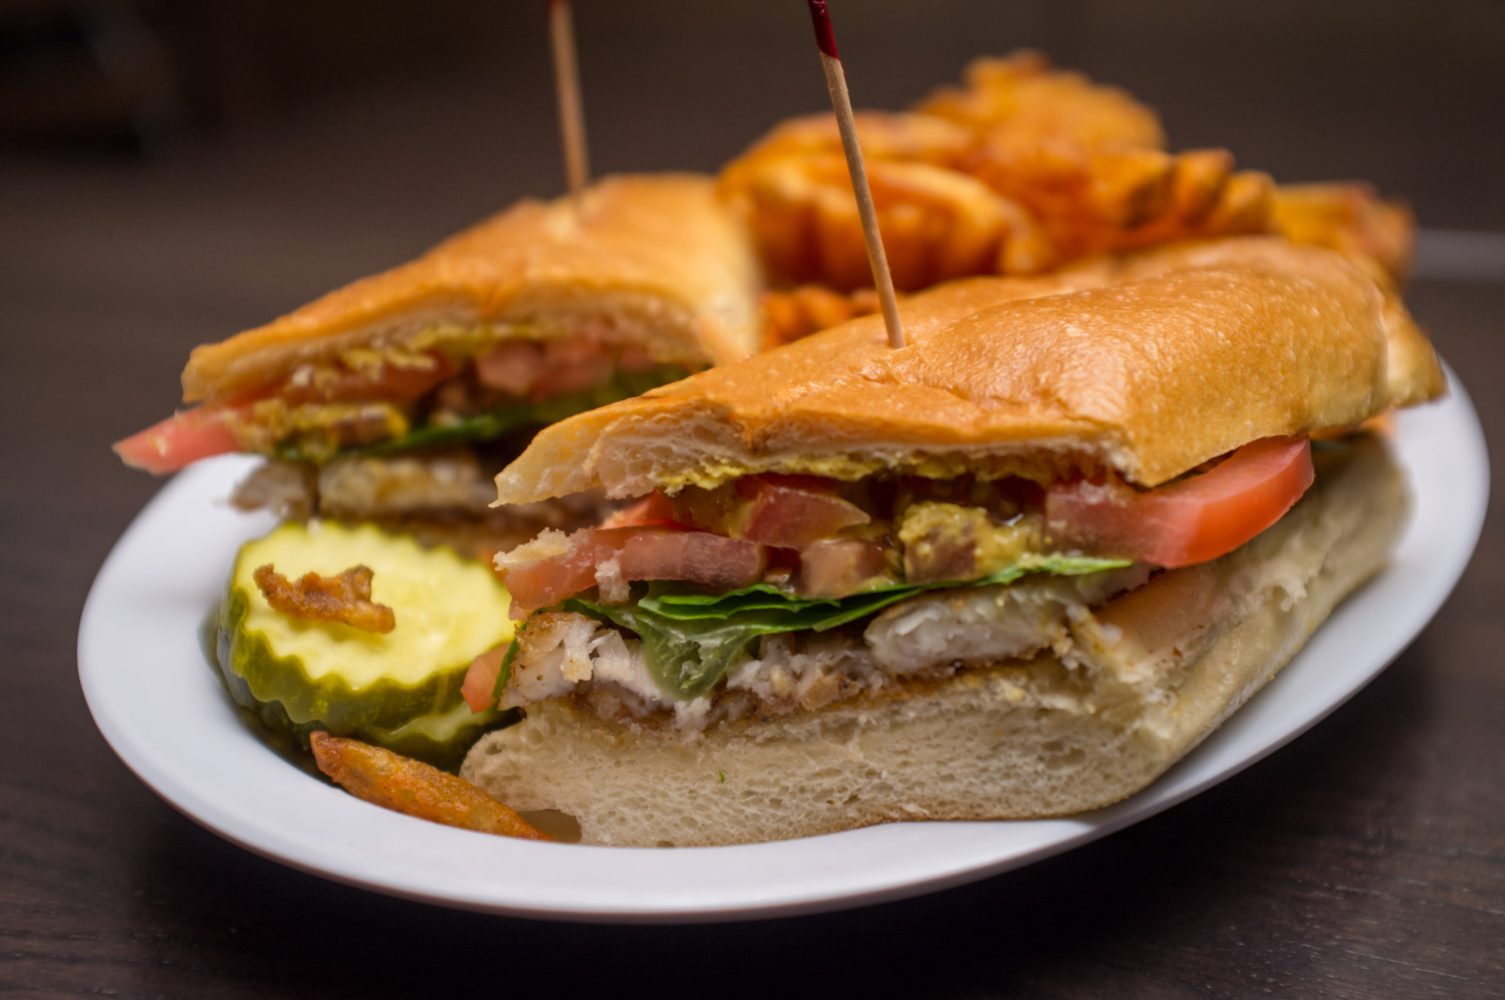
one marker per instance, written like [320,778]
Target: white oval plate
[163,711]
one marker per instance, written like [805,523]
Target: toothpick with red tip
[567,85]
[841,103]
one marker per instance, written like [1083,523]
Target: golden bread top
[656,259]
[1150,364]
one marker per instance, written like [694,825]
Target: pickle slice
[399,689]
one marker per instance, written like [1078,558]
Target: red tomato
[641,553]
[537,581]
[653,511]
[783,511]
[180,440]
[480,680]
[791,513]
[1191,521]
[697,557]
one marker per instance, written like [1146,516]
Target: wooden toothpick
[841,103]
[567,85]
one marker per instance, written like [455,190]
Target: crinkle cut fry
[937,223]
[902,136]
[1348,216]
[1024,93]
[1024,169]
[791,313]
[1111,202]
[412,788]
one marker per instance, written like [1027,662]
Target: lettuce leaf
[687,658]
[692,638]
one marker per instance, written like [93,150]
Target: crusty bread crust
[656,259]
[1150,675]
[1151,365]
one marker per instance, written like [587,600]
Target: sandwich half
[395,398]
[1014,569]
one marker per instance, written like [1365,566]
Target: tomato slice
[653,511]
[698,557]
[180,440]
[479,689]
[783,511]
[1186,522]
[537,579]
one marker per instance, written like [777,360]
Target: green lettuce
[691,638]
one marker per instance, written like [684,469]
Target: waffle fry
[937,223]
[1022,168]
[1023,93]
[1351,218]
[792,313]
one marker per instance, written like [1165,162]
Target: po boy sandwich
[395,398]
[1014,569]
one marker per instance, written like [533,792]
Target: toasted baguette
[654,261]
[1149,675]
[1149,365]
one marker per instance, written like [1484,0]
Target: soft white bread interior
[1146,678]
[655,262]
[1150,365]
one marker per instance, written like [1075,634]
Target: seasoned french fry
[403,785]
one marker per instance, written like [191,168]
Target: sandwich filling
[445,385]
[775,593]
[406,436]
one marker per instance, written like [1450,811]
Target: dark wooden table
[1367,859]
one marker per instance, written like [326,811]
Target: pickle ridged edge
[427,719]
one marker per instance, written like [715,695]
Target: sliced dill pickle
[399,689]
[442,737]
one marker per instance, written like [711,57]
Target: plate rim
[1454,413]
